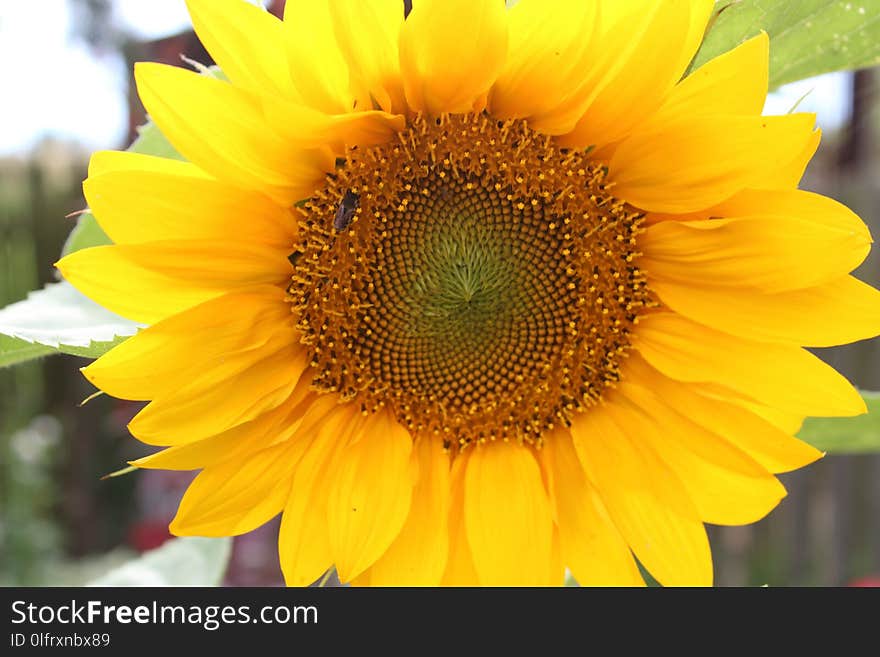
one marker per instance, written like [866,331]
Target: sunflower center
[472,276]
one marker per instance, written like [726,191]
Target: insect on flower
[345,211]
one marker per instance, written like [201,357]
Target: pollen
[485,288]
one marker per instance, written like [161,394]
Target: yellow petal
[417,557]
[235,444]
[164,357]
[770,446]
[227,263]
[222,129]
[787,421]
[108,278]
[103,162]
[769,253]
[550,48]
[837,312]
[644,498]
[303,540]
[139,198]
[317,63]
[699,13]
[732,83]
[234,497]
[245,41]
[508,519]
[367,32]
[451,52]
[370,492]
[789,173]
[148,282]
[725,484]
[310,128]
[777,374]
[697,162]
[661,38]
[795,204]
[592,547]
[788,203]
[252,383]
[460,569]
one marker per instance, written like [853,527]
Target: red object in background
[868,582]
[276,7]
[147,535]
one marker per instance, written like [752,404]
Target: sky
[66,90]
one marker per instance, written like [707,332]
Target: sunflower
[475,295]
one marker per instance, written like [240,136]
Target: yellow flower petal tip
[475,296]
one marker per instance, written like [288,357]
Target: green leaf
[189,561]
[846,435]
[807,37]
[14,350]
[85,234]
[59,318]
[151,141]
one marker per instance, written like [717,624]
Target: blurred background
[65,72]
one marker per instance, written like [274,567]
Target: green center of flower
[472,276]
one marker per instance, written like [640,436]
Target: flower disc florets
[483,285]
